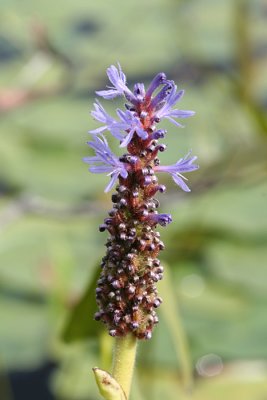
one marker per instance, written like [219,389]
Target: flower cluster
[126,294]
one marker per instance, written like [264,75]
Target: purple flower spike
[126,293]
[183,165]
[167,112]
[105,161]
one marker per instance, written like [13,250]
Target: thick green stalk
[117,385]
[123,361]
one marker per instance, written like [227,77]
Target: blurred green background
[53,56]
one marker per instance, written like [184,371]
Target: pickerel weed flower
[126,293]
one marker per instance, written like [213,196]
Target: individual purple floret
[159,100]
[161,219]
[118,79]
[131,123]
[159,79]
[183,165]
[139,91]
[105,161]
[126,292]
[166,110]
[101,115]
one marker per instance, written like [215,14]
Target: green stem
[106,345]
[123,361]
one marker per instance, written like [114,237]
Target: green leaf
[80,323]
[174,324]
[25,347]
